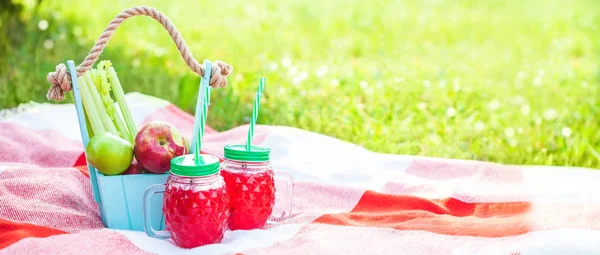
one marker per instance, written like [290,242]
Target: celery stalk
[120,96]
[104,118]
[92,112]
[87,120]
[117,119]
[88,125]
[100,78]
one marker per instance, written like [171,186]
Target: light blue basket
[120,197]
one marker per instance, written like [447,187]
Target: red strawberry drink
[250,182]
[196,203]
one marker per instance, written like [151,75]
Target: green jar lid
[238,152]
[184,165]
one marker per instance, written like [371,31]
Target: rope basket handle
[61,79]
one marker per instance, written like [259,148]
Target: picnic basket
[120,197]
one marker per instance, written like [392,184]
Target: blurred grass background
[504,81]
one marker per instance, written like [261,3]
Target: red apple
[156,144]
[134,168]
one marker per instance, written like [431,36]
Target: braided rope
[61,79]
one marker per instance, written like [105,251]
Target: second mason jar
[250,182]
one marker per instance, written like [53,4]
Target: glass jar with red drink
[250,182]
[195,202]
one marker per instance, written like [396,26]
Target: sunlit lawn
[503,81]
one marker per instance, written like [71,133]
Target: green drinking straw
[261,87]
[205,105]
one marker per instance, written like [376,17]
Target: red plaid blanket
[348,200]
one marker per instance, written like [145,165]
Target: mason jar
[195,203]
[250,182]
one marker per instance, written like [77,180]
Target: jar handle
[151,232]
[289,193]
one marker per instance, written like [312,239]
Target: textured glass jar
[196,203]
[250,183]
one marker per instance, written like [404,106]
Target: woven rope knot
[61,79]
[220,71]
[61,82]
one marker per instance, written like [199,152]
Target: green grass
[504,81]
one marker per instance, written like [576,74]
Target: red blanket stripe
[81,161]
[11,232]
[83,169]
[436,215]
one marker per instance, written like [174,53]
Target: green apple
[108,153]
